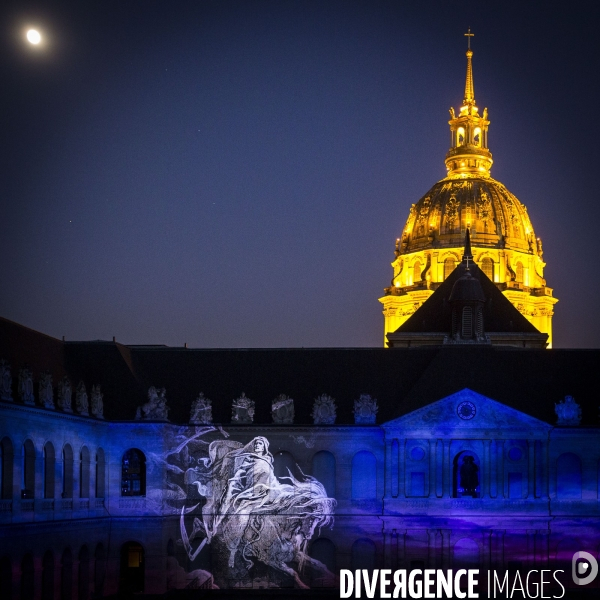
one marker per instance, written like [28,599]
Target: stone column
[531,470]
[401,549]
[402,468]
[500,462]
[431,446]
[439,468]
[445,548]
[485,484]
[447,474]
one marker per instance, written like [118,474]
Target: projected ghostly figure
[249,513]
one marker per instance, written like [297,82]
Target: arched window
[131,574]
[283,464]
[363,555]
[323,470]
[28,490]
[99,570]
[100,474]
[416,272]
[568,476]
[133,473]
[466,475]
[6,464]
[364,476]
[467,322]
[460,135]
[477,136]
[84,473]
[324,551]
[449,266]
[466,554]
[6,590]
[66,575]
[83,579]
[487,266]
[49,470]
[520,272]
[27,577]
[48,576]
[67,479]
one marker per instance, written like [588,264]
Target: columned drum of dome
[503,241]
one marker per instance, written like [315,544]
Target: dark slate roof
[402,379]
[435,314]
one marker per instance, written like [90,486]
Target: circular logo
[466,410]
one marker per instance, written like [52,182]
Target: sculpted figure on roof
[64,395]
[5,382]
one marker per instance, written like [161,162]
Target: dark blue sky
[235,174]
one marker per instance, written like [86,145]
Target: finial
[467,254]
[469,35]
[469,88]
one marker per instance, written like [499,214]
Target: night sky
[235,174]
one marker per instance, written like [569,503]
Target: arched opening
[364,476]
[466,554]
[487,266]
[67,479]
[449,266]
[466,475]
[363,555]
[48,576]
[100,474]
[83,579]
[460,136]
[99,570]
[66,575]
[133,473]
[417,272]
[477,136]
[5,577]
[324,551]
[28,490]
[520,272]
[27,578]
[84,473]
[568,476]
[323,470]
[6,464]
[131,574]
[49,470]
[283,465]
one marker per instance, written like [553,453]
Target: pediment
[466,410]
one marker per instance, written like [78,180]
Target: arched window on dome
[520,272]
[487,266]
[449,266]
[477,136]
[417,272]
[460,136]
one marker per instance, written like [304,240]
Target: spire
[469,89]
[467,254]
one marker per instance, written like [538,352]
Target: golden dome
[504,244]
[495,217]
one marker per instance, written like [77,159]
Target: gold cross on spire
[469,35]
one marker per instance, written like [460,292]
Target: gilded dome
[495,217]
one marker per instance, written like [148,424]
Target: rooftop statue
[324,410]
[26,386]
[242,410]
[201,412]
[156,408]
[5,382]
[568,412]
[81,400]
[282,410]
[46,391]
[365,410]
[64,395]
[97,403]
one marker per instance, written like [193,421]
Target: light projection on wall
[254,526]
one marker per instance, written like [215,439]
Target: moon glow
[34,37]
